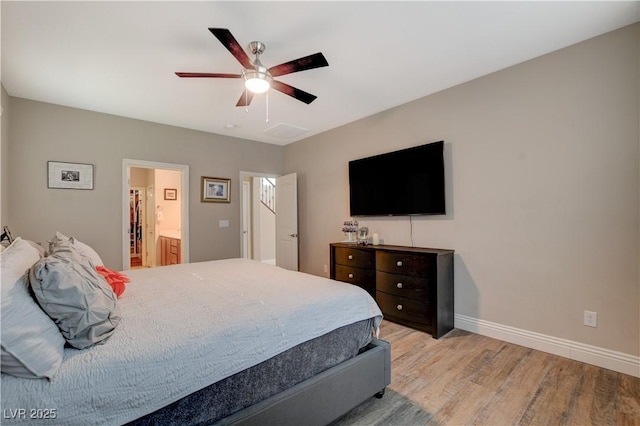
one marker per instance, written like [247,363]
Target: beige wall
[40,132]
[170,208]
[543,189]
[542,186]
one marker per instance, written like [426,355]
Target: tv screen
[405,182]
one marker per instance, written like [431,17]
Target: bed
[230,341]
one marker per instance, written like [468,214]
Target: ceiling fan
[257,78]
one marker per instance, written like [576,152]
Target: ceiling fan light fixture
[257,82]
[258,78]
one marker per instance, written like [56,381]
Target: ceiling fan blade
[300,95]
[316,60]
[207,75]
[245,98]
[227,39]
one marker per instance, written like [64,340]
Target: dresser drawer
[364,278]
[403,285]
[352,275]
[405,263]
[354,257]
[404,308]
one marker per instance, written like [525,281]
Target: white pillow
[32,345]
[82,248]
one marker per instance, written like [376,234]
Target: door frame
[127,163]
[246,246]
[243,175]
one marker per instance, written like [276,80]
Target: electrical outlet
[590,319]
[325,269]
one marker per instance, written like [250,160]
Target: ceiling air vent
[285,131]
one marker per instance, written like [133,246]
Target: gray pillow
[75,296]
[82,248]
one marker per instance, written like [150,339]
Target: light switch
[224,224]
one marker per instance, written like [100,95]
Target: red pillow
[115,279]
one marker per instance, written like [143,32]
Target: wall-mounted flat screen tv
[405,182]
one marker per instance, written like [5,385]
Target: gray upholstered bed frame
[325,397]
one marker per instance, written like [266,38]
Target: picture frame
[170,194]
[215,190]
[63,175]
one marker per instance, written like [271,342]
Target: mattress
[185,327]
[270,377]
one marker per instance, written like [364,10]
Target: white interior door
[287,222]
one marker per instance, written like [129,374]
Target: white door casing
[246,219]
[150,231]
[287,222]
[184,205]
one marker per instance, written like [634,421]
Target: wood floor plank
[552,401]
[467,379]
[512,387]
[628,401]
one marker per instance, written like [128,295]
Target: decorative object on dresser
[363,235]
[412,285]
[350,229]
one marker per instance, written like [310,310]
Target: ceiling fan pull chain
[267,108]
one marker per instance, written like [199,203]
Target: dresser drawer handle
[399,285]
[350,275]
[350,257]
[399,263]
[399,307]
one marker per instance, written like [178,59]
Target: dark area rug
[391,409]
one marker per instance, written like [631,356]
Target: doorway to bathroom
[155,214]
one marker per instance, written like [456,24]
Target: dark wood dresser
[412,285]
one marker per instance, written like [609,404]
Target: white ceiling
[120,57]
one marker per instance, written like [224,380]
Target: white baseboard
[605,358]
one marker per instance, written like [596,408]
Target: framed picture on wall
[215,190]
[69,175]
[170,194]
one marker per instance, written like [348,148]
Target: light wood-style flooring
[468,379]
